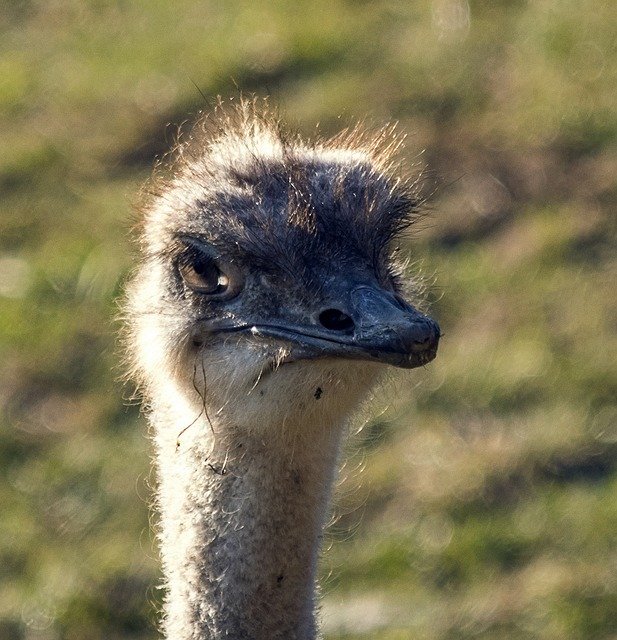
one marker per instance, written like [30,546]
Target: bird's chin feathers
[252,383]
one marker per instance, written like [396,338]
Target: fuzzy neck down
[242,511]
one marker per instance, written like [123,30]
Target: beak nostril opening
[336,320]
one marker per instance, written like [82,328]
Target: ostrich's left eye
[204,272]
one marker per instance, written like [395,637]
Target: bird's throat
[242,513]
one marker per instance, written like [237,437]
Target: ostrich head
[269,276]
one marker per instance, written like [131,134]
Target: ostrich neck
[242,512]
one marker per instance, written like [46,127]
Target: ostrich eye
[205,272]
[202,274]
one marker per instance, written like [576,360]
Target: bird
[268,299]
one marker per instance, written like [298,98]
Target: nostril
[336,320]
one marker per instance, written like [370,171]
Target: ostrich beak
[371,325]
[377,327]
[389,329]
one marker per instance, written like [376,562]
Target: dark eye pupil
[205,268]
[208,273]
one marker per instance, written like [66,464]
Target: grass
[485,508]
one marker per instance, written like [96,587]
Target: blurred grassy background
[487,507]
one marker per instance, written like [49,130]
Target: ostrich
[266,304]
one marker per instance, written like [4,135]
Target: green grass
[486,504]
